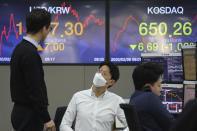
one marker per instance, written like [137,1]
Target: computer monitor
[189,91]
[172,97]
[171,63]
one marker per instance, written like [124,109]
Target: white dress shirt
[93,113]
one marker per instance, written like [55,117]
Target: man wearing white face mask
[95,109]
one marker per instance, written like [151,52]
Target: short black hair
[114,70]
[36,20]
[146,73]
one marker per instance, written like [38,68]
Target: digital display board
[172,97]
[150,26]
[78,34]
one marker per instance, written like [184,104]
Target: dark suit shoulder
[145,96]
[26,46]
[25,49]
[25,52]
[145,100]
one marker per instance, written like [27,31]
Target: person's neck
[34,37]
[99,90]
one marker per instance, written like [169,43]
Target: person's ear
[42,29]
[148,85]
[45,28]
[111,82]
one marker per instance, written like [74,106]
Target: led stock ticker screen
[150,26]
[78,34]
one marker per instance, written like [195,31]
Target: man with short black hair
[95,109]
[153,116]
[27,85]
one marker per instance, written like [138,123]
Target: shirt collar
[93,94]
[31,41]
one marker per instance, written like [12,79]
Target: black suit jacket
[27,83]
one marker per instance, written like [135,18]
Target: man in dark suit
[153,116]
[27,85]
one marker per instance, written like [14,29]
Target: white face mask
[99,80]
